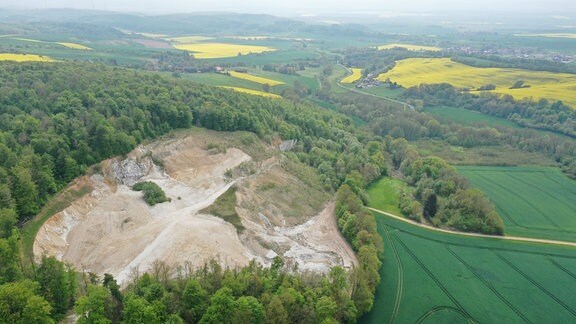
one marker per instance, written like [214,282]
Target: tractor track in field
[561,267]
[534,283]
[400,287]
[437,309]
[527,202]
[436,280]
[531,185]
[488,285]
[496,237]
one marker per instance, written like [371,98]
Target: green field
[383,195]
[468,117]
[434,277]
[217,79]
[532,201]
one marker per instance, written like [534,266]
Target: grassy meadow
[355,76]
[414,71]
[468,117]
[433,277]
[532,201]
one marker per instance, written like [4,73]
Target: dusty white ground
[112,230]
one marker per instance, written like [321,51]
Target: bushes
[152,193]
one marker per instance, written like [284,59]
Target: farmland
[415,71]
[220,50]
[355,76]
[74,46]
[189,39]
[254,78]
[410,47]
[65,44]
[549,35]
[468,117]
[253,92]
[429,276]
[533,201]
[24,58]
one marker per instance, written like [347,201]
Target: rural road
[508,238]
[371,94]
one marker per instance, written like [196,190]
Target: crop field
[303,77]
[254,78]
[24,58]
[434,277]
[410,47]
[65,44]
[189,39]
[414,71]
[468,117]
[355,76]
[532,201]
[220,50]
[74,46]
[550,35]
[253,92]
[218,79]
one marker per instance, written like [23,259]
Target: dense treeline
[553,116]
[386,119]
[380,61]
[58,119]
[439,195]
[42,294]
[212,294]
[495,61]
[358,225]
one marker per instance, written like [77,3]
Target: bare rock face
[130,171]
[112,229]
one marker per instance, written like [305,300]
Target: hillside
[112,230]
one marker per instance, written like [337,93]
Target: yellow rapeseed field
[66,44]
[355,76]
[220,50]
[253,78]
[549,85]
[24,58]
[253,92]
[410,47]
[75,46]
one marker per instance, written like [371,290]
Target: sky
[303,7]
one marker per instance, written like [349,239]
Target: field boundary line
[506,238]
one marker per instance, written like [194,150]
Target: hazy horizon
[302,8]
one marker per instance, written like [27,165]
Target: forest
[58,120]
